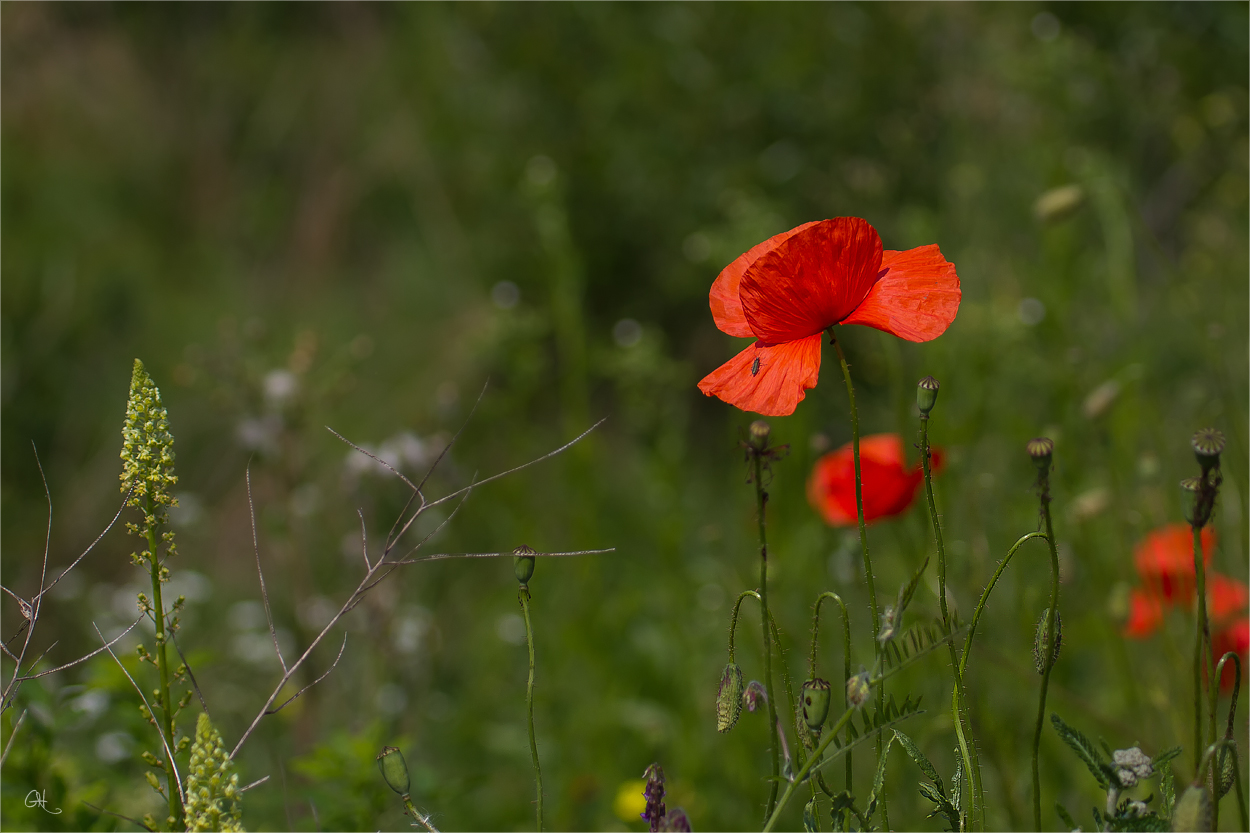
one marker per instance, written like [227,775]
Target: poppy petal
[888,489]
[775,386]
[1225,596]
[1145,614]
[812,280]
[723,299]
[916,297]
[1165,560]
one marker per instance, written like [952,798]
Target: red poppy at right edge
[787,290]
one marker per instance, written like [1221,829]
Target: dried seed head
[729,698]
[1039,642]
[926,394]
[759,431]
[815,702]
[858,689]
[1041,449]
[523,563]
[1193,810]
[394,769]
[1207,444]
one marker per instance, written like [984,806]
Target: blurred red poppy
[1145,614]
[1226,597]
[889,487]
[1235,638]
[785,291]
[1165,561]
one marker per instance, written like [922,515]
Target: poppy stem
[1202,652]
[863,541]
[761,500]
[1048,651]
[963,726]
[846,657]
[523,596]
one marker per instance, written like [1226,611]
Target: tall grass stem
[761,500]
[524,597]
[1048,652]
[846,657]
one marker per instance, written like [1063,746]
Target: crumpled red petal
[916,297]
[723,299]
[888,487]
[777,386]
[811,280]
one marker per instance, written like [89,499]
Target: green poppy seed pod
[926,394]
[1193,810]
[729,697]
[1041,449]
[858,689]
[1228,770]
[394,770]
[523,563]
[1039,640]
[1207,444]
[815,700]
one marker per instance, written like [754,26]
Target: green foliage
[1089,754]
[934,791]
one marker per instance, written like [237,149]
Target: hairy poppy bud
[729,698]
[1040,449]
[1193,810]
[523,563]
[1039,640]
[858,689]
[394,770]
[1207,444]
[1228,768]
[815,700]
[926,394]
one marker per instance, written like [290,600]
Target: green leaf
[1149,822]
[1167,783]
[908,590]
[878,782]
[809,816]
[1166,755]
[1087,752]
[926,766]
[1066,817]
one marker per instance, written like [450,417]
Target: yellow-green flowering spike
[212,787]
[147,450]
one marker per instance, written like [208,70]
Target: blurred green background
[359,215]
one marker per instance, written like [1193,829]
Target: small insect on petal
[755,367]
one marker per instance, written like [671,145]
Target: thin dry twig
[194,683]
[375,458]
[255,783]
[264,594]
[97,540]
[18,725]
[364,540]
[443,555]
[81,660]
[333,665]
[169,752]
[371,577]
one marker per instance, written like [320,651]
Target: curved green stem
[761,498]
[524,597]
[963,727]
[167,711]
[423,819]
[1047,653]
[863,538]
[985,595]
[846,656]
[789,686]
[733,622]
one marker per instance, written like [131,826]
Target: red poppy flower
[1145,614]
[889,487]
[790,288]
[1165,561]
[1235,638]
[1226,597]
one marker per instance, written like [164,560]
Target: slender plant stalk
[423,819]
[985,596]
[963,727]
[1204,648]
[846,657]
[761,498]
[863,542]
[1047,653]
[1199,641]
[167,712]
[524,597]
[812,761]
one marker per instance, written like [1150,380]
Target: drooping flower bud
[754,695]
[926,394]
[1039,640]
[1207,444]
[1193,810]
[1227,770]
[858,689]
[394,769]
[729,697]
[815,702]
[1041,449]
[523,563]
[675,821]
